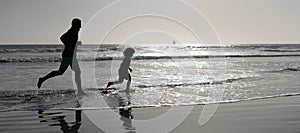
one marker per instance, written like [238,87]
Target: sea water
[163,74]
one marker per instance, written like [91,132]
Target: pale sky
[233,21]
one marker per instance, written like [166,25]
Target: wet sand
[274,115]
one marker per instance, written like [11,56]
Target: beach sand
[273,115]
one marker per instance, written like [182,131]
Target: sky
[112,21]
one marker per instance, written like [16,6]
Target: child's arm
[130,69]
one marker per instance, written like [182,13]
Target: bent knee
[120,80]
[60,72]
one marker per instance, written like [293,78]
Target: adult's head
[76,23]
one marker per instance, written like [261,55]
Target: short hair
[129,52]
[76,22]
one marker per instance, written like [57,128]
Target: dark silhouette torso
[69,39]
[125,64]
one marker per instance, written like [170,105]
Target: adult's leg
[75,67]
[62,68]
[50,75]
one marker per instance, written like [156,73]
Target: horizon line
[261,43]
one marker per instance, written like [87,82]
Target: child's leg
[122,76]
[119,81]
[115,82]
[128,82]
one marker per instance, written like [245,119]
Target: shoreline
[162,105]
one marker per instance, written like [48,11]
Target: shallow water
[163,75]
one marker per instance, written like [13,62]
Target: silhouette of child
[124,67]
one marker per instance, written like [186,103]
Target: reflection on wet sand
[122,100]
[58,119]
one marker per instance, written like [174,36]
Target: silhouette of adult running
[70,40]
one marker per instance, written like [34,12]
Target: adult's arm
[65,38]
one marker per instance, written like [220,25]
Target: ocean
[163,75]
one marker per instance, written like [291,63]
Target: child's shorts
[123,74]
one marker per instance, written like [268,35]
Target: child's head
[129,52]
